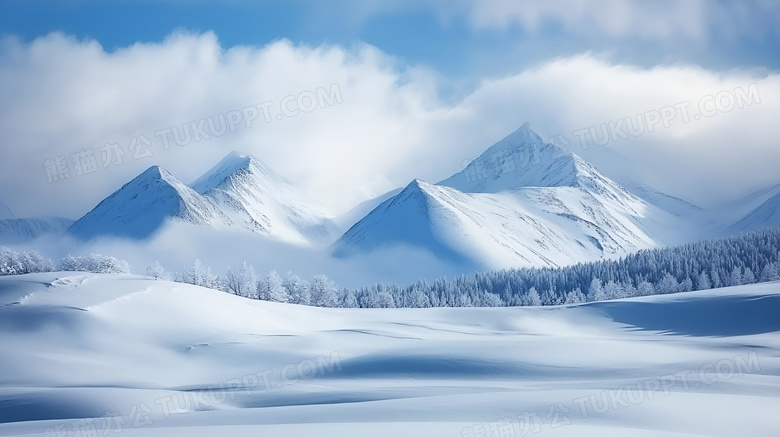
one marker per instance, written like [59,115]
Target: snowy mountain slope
[20,230]
[531,227]
[158,358]
[667,202]
[142,205]
[5,211]
[354,215]
[498,213]
[522,159]
[765,214]
[256,198]
[410,218]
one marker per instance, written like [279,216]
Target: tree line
[736,260]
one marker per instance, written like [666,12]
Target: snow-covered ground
[89,355]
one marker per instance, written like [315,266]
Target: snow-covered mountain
[523,202]
[5,211]
[256,198]
[240,193]
[25,229]
[767,213]
[144,204]
[522,159]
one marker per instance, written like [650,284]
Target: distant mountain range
[239,192]
[523,202]
[19,230]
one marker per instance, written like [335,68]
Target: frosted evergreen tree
[703,281]
[715,278]
[231,282]
[613,290]
[748,277]
[596,290]
[247,281]
[735,278]
[463,300]
[274,289]
[383,299]
[156,271]
[645,289]
[668,284]
[199,275]
[575,296]
[491,300]
[348,299]
[532,298]
[297,288]
[323,292]
[770,272]
[549,298]
[418,299]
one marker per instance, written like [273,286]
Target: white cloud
[692,20]
[59,95]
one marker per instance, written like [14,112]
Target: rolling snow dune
[173,359]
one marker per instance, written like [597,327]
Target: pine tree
[274,289]
[323,292]
[574,296]
[532,298]
[247,281]
[735,278]
[770,272]
[595,290]
[156,271]
[703,281]
[298,289]
[748,277]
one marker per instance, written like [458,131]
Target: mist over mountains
[523,202]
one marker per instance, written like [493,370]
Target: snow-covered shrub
[19,263]
[272,288]
[324,292]
[197,274]
[298,289]
[156,271]
[94,263]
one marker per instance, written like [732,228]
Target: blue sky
[426,86]
[442,35]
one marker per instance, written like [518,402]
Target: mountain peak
[141,206]
[525,134]
[521,159]
[419,188]
[525,140]
[234,163]
[255,197]
[155,172]
[416,184]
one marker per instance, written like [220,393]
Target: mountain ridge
[555,211]
[255,197]
[238,192]
[140,207]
